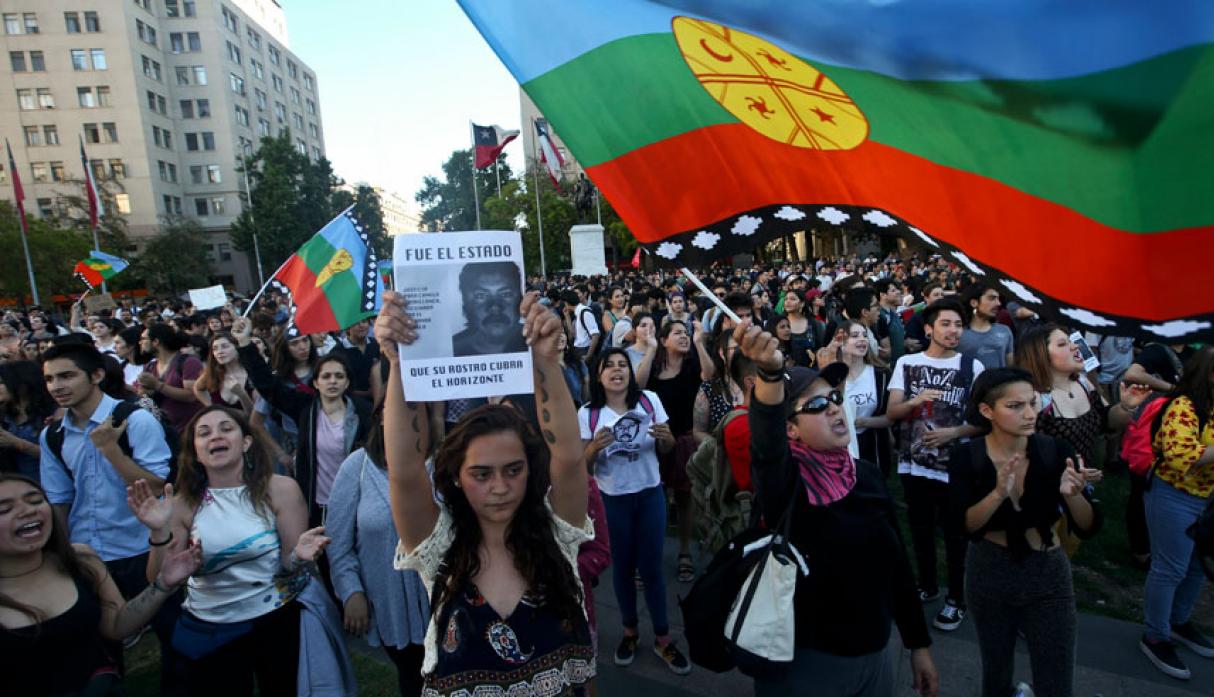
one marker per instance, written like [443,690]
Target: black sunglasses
[819,404]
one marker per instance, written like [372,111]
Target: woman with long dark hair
[130,357]
[1010,488]
[224,380]
[59,607]
[1181,485]
[624,428]
[867,396]
[240,619]
[387,607]
[25,406]
[497,550]
[291,359]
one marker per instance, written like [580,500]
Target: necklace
[1069,393]
[27,573]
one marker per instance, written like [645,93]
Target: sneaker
[949,617]
[1187,635]
[673,658]
[626,651]
[928,596]
[1163,655]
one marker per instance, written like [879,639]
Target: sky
[399,82]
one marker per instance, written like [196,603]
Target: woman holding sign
[497,550]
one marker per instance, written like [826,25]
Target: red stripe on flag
[313,314]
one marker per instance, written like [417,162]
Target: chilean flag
[18,192]
[549,155]
[489,141]
[96,210]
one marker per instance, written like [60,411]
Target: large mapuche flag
[333,280]
[1061,150]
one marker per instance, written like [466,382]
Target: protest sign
[463,289]
[208,298]
[97,303]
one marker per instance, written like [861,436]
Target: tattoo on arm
[700,417]
[547,417]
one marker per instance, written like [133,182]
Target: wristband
[770,376]
[160,544]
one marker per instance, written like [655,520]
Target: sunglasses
[819,404]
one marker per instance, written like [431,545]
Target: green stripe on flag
[1128,147]
[343,290]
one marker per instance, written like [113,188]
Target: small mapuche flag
[99,267]
[489,141]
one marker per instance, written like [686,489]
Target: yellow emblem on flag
[98,265]
[341,261]
[769,89]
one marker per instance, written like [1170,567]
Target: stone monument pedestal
[586,247]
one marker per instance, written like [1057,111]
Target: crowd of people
[247,493]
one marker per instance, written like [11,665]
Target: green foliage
[293,197]
[558,215]
[449,204]
[175,260]
[54,252]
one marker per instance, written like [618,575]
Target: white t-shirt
[619,330]
[584,326]
[630,463]
[862,400]
[914,373]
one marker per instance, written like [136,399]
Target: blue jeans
[1175,577]
[637,525]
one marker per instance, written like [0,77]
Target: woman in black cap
[860,579]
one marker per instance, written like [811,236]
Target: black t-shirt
[360,364]
[1156,359]
[678,395]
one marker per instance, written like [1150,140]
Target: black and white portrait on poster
[463,289]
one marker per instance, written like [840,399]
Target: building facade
[168,95]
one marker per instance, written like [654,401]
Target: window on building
[46,207]
[242,116]
[103,95]
[17,60]
[12,24]
[146,33]
[225,249]
[172,8]
[280,111]
[25,100]
[194,41]
[31,22]
[263,128]
[245,145]
[110,132]
[237,83]
[92,24]
[80,59]
[183,75]
[50,134]
[260,97]
[259,70]
[33,136]
[214,176]
[292,70]
[202,207]
[308,83]
[191,142]
[315,153]
[3,174]
[172,204]
[204,108]
[254,38]
[98,167]
[208,140]
[145,4]
[151,68]
[298,121]
[277,82]
[295,96]
[37,62]
[200,74]
[92,134]
[39,172]
[177,42]
[46,100]
[58,174]
[71,21]
[275,55]
[162,105]
[187,108]
[313,131]
[98,56]
[233,52]
[301,146]
[86,98]
[168,139]
[229,20]
[195,174]
[189,9]
[311,107]
[123,203]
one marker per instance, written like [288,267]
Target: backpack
[722,510]
[594,412]
[122,410]
[598,323]
[1138,443]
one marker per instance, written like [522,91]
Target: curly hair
[529,537]
[192,475]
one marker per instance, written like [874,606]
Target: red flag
[636,259]
[489,141]
[18,192]
[90,189]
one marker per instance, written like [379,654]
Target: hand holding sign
[541,329]
[394,326]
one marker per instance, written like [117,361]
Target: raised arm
[771,470]
[406,432]
[558,423]
[275,391]
[647,341]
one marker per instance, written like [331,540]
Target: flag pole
[19,200]
[253,302]
[476,197]
[539,215]
[261,277]
[92,193]
[497,172]
[711,296]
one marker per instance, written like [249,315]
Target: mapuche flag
[333,280]
[489,141]
[99,267]
[18,192]
[987,132]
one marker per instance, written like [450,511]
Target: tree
[176,259]
[448,203]
[559,215]
[54,252]
[292,198]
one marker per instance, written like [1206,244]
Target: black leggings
[1033,594]
[408,662]
[269,653]
[928,505]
